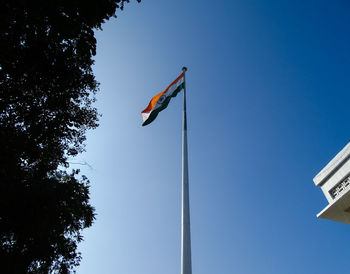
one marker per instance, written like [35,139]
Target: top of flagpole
[184,69]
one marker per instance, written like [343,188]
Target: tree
[47,90]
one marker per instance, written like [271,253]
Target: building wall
[340,173]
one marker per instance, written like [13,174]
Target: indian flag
[161,100]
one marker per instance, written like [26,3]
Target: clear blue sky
[268,107]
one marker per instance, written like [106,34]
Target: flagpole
[186,264]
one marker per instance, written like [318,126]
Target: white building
[334,180]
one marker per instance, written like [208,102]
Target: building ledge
[332,166]
[339,210]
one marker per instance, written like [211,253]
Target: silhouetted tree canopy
[46,93]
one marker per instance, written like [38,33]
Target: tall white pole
[186,264]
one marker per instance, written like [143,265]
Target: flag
[161,100]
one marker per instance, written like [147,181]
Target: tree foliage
[47,90]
